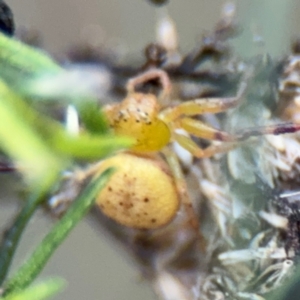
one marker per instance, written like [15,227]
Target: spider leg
[7,167]
[183,193]
[150,75]
[276,129]
[203,106]
[200,129]
[181,187]
[187,143]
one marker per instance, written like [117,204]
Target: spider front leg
[151,75]
[188,144]
[203,106]
[202,130]
[276,129]
[199,129]
[176,118]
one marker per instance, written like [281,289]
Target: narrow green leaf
[39,291]
[34,265]
[92,118]
[88,146]
[18,61]
[22,143]
[13,235]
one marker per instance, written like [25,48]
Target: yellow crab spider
[153,126]
[146,191]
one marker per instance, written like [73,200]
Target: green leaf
[88,146]
[33,138]
[13,235]
[19,61]
[19,139]
[92,118]
[34,265]
[39,291]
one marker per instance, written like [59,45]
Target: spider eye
[7,25]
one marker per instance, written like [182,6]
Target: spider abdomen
[140,194]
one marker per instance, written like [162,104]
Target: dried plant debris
[247,200]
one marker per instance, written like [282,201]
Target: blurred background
[94,265]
